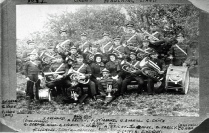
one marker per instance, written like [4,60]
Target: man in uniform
[104,84]
[71,58]
[106,45]
[160,63]
[120,50]
[133,75]
[180,51]
[57,86]
[131,38]
[84,44]
[85,71]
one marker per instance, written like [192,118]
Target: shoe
[94,98]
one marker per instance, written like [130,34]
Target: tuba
[150,69]
[128,67]
[46,57]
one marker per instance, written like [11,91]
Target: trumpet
[128,67]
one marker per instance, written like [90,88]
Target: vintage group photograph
[119,59]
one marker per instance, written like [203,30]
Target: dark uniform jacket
[83,46]
[84,70]
[177,53]
[106,45]
[135,41]
[135,63]
[113,67]
[122,49]
[31,68]
[96,69]
[104,82]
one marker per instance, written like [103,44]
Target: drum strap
[83,45]
[180,49]
[136,63]
[33,63]
[80,67]
[175,81]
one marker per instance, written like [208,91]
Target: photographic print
[118,59]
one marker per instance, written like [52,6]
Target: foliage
[96,19]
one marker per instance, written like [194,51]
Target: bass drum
[177,77]
[45,94]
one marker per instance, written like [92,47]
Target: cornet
[46,57]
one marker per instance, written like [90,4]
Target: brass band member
[105,82]
[94,48]
[56,84]
[134,75]
[96,68]
[84,44]
[31,70]
[120,50]
[71,58]
[85,69]
[161,64]
[106,45]
[131,38]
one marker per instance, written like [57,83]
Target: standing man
[106,45]
[131,38]
[84,44]
[180,51]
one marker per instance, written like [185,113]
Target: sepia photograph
[118,59]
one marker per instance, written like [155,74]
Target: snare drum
[177,77]
[44,94]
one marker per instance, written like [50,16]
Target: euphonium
[128,67]
[78,77]
[150,69]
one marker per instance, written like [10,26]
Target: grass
[164,104]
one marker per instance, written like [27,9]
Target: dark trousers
[128,79]
[96,84]
[91,87]
[59,87]
[30,86]
[150,86]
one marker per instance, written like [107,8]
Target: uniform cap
[132,53]
[30,42]
[130,24]
[105,34]
[79,56]
[84,34]
[105,70]
[73,47]
[117,38]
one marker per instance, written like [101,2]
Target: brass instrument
[150,69]
[149,35]
[62,46]
[142,53]
[128,67]
[46,57]
[77,77]
[118,53]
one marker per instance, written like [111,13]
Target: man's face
[117,42]
[33,57]
[133,57]
[105,37]
[98,59]
[153,28]
[83,38]
[73,51]
[112,58]
[105,74]
[31,46]
[94,49]
[129,29]
[79,60]
[154,56]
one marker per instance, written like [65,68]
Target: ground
[165,104]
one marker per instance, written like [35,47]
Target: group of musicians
[101,64]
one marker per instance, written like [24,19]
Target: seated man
[151,81]
[133,75]
[83,71]
[55,82]
[107,86]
